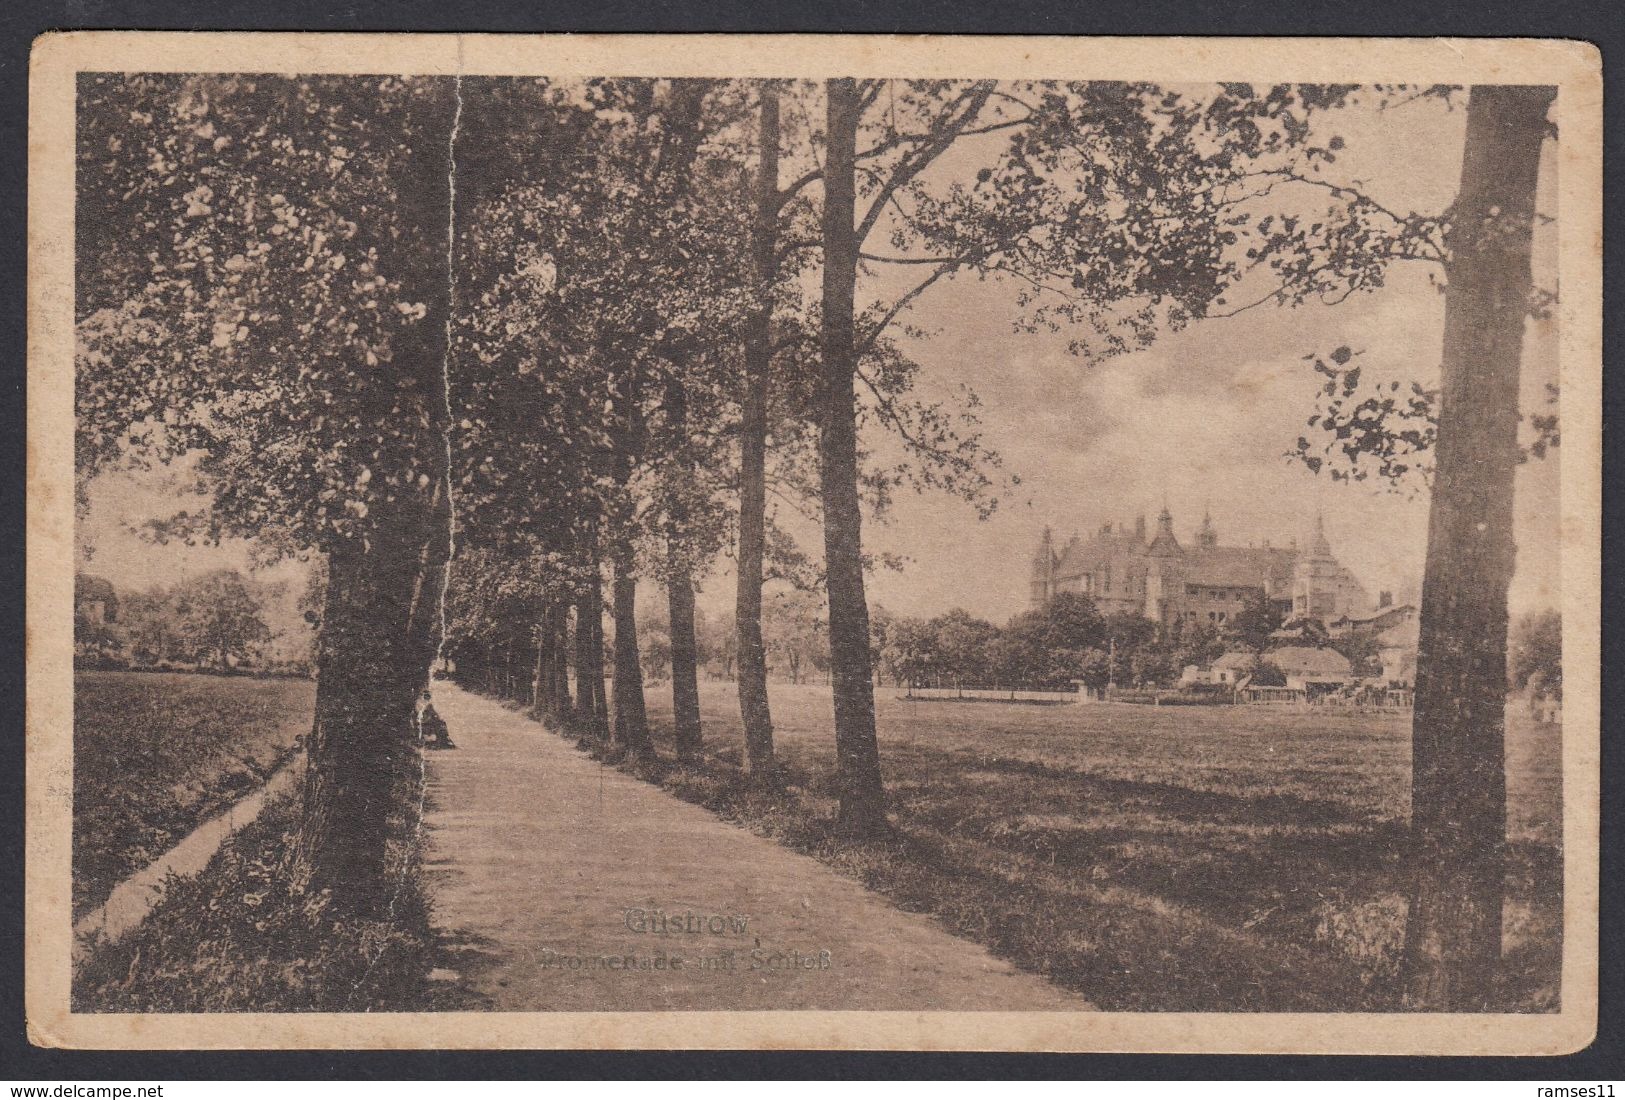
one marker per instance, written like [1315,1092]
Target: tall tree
[754,711]
[1469,428]
[221,617]
[603,277]
[282,252]
[1026,216]
[862,794]
[1458,794]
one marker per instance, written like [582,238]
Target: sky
[1199,421]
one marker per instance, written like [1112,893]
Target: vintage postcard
[805,542]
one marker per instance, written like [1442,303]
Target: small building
[1311,670]
[1386,617]
[1396,649]
[1231,668]
[94,600]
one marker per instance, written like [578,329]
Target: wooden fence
[994,694]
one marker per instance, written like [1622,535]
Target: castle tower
[1165,544]
[1206,536]
[1318,546]
[1043,573]
[1164,577]
[1314,578]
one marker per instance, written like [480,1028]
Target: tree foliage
[1535,657]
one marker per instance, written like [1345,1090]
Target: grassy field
[1158,859]
[155,754]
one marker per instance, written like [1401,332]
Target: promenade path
[539,859]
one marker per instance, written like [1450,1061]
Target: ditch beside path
[537,853]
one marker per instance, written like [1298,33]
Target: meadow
[1153,859]
[155,754]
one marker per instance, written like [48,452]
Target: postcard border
[1574,66]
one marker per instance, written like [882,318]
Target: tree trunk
[1458,785]
[685,672]
[862,795]
[631,720]
[685,666]
[373,659]
[542,682]
[559,669]
[382,623]
[600,699]
[538,678]
[589,660]
[754,711]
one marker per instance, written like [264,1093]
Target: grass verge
[156,754]
[244,936]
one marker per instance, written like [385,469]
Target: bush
[1265,674]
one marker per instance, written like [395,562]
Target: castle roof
[1214,566]
[1080,556]
[1240,566]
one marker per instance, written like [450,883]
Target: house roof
[1381,618]
[1304,660]
[1235,659]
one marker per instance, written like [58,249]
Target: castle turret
[1165,544]
[1318,546]
[1315,578]
[1206,537]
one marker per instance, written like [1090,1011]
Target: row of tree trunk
[561,674]
[381,626]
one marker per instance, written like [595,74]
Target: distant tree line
[216,621]
[1069,641]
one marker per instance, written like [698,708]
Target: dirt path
[541,860]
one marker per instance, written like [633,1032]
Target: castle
[1163,580]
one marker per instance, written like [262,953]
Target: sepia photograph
[862,543]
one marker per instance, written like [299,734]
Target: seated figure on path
[432,731]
